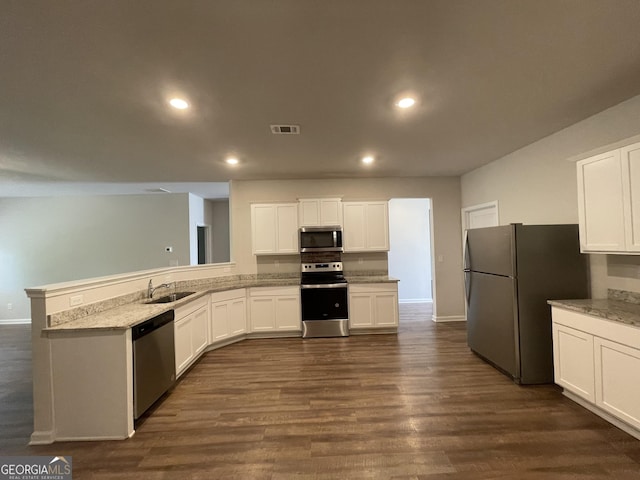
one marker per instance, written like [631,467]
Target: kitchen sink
[171,298]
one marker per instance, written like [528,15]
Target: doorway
[204,251]
[410,257]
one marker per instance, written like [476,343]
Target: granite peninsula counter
[128,311]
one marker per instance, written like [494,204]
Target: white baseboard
[450,318]
[415,300]
[41,438]
[16,321]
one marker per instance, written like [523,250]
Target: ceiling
[84,85]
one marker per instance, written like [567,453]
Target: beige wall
[56,239]
[445,195]
[537,184]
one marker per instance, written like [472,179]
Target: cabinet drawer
[228,295]
[274,291]
[373,287]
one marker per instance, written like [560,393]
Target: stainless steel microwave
[321,239]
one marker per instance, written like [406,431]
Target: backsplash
[623,296]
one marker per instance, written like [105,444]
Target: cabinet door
[200,329]
[618,380]
[309,213]
[220,321]
[263,229]
[600,203]
[361,310]
[287,228]
[262,314]
[330,211]
[237,316]
[631,189]
[354,234]
[377,221]
[182,339]
[288,316]
[573,361]
[386,309]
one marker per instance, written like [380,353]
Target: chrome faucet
[151,288]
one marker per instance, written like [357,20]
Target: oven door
[324,301]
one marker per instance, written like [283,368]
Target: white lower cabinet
[228,314]
[191,333]
[274,309]
[618,380]
[373,305]
[598,360]
[573,368]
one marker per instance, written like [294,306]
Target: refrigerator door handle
[467,286]
[465,260]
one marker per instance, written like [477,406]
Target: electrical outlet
[9,306]
[360,261]
[276,263]
[440,258]
[76,300]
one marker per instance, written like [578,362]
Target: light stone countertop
[615,310]
[122,317]
[370,279]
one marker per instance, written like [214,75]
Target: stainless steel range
[324,300]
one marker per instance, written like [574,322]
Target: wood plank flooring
[414,406]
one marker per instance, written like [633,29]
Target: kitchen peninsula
[83,356]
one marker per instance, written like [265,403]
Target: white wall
[537,184]
[443,191]
[410,253]
[56,239]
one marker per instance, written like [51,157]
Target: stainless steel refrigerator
[510,273]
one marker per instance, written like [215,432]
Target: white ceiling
[84,84]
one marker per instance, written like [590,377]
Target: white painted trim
[415,300]
[47,291]
[481,206]
[449,318]
[42,438]
[16,321]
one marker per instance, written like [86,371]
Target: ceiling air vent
[285,129]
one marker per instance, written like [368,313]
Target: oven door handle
[324,285]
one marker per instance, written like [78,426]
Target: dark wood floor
[415,406]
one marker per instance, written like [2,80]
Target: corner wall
[537,184]
[56,239]
[444,193]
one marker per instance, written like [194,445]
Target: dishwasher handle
[148,326]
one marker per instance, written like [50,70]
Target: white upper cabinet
[313,212]
[366,226]
[274,228]
[630,157]
[604,201]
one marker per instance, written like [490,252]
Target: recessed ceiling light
[179,103]
[406,102]
[368,160]
[232,161]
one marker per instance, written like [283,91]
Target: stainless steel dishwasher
[154,364]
